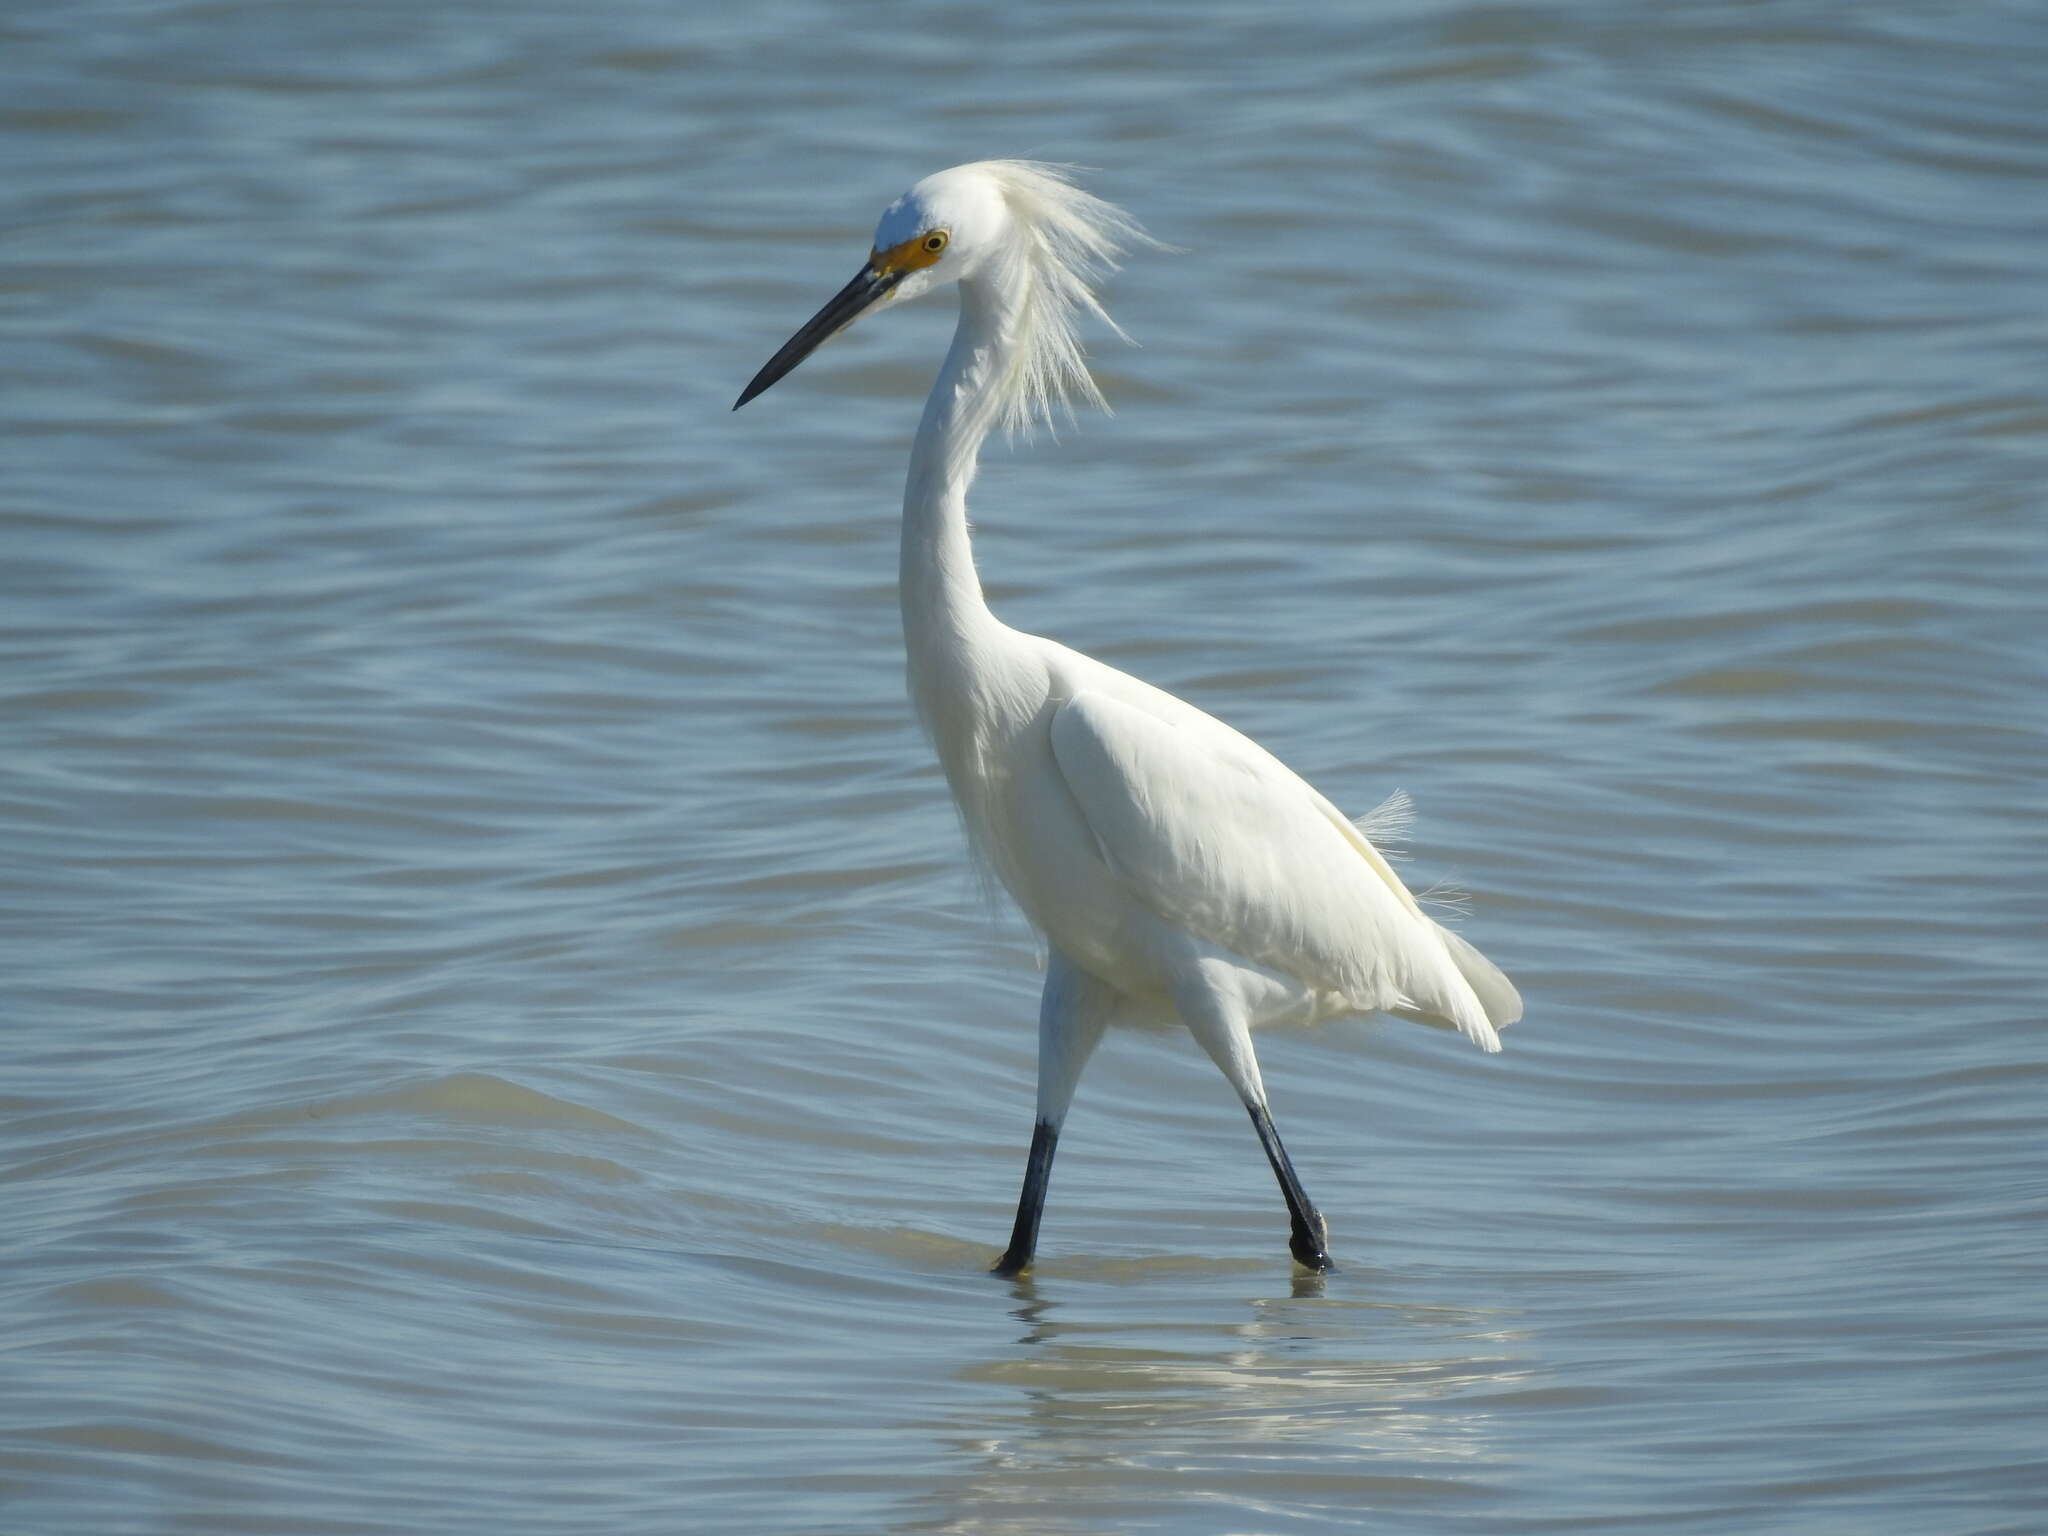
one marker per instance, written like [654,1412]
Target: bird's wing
[1217,837]
[1497,996]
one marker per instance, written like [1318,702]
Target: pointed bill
[844,308]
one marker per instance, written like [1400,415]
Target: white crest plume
[1069,239]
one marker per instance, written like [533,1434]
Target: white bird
[1175,867]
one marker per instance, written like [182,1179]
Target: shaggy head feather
[1025,226]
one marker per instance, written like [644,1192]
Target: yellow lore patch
[914,253]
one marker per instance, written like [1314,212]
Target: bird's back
[1122,818]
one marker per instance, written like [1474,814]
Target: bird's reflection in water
[1322,1384]
[1031,1308]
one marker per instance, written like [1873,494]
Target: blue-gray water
[500,1036]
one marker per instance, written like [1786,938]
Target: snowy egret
[1176,868]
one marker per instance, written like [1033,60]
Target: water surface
[500,1032]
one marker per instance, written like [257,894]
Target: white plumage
[1175,867]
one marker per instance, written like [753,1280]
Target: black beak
[845,307]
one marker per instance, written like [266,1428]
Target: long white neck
[945,617]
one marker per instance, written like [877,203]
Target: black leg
[1308,1239]
[1031,1203]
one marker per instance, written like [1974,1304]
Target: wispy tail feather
[1388,824]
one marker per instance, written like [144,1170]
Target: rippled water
[500,1034]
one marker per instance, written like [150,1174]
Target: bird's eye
[935,242]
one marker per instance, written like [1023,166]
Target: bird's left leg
[1071,1015]
[1215,1014]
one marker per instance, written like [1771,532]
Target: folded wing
[1217,837]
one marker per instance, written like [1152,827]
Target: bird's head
[946,228]
[1013,223]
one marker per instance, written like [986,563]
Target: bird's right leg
[1215,1015]
[1072,1012]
